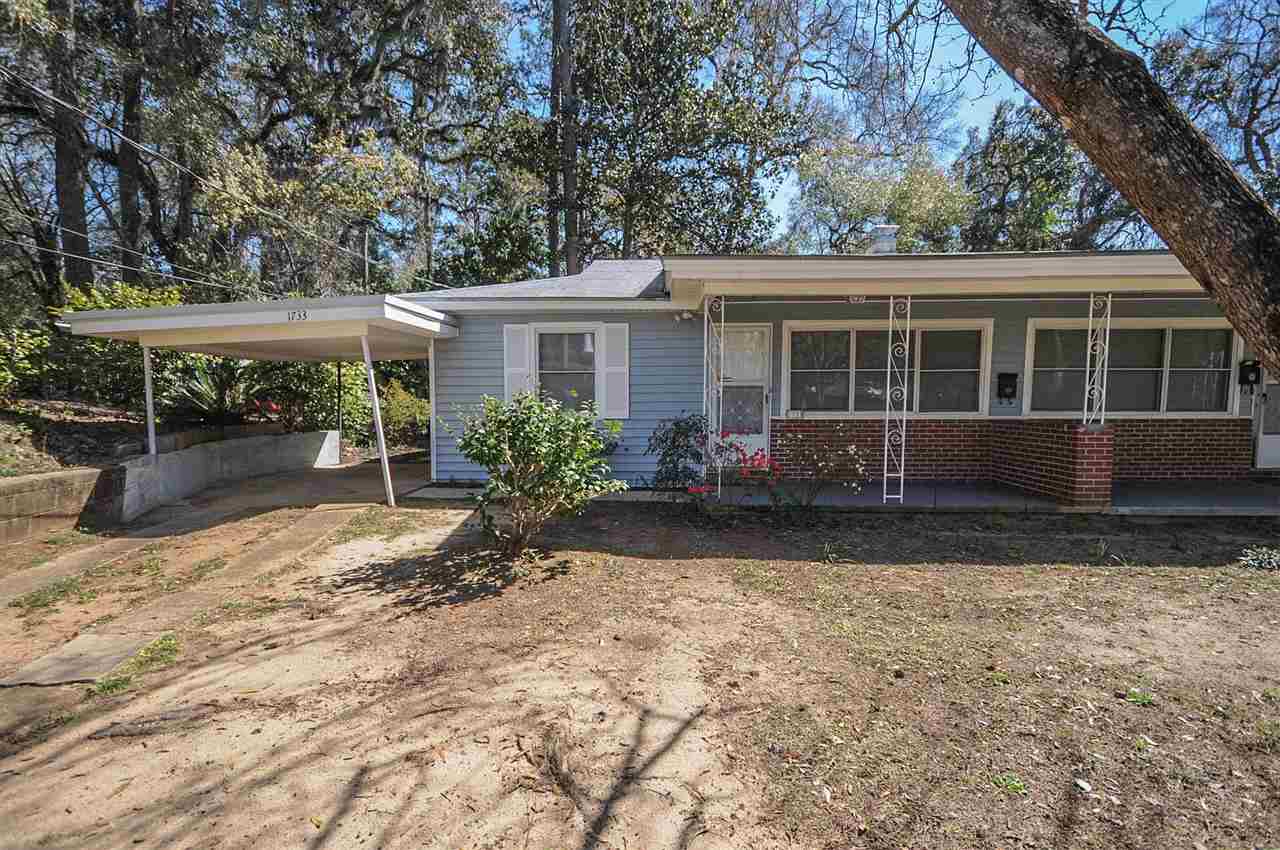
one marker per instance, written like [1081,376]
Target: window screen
[567,367]
[950,367]
[1200,370]
[820,372]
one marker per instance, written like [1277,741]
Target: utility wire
[140,270]
[202,180]
[114,265]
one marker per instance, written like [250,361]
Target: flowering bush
[820,465]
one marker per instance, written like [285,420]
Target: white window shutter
[517,355]
[615,403]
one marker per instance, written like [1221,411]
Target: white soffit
[292,329]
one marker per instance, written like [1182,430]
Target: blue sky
[978,103]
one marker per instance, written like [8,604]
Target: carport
[348,328]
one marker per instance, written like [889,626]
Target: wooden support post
[377,423]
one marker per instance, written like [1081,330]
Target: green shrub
[106,370]
[542,460]
[679,444]
[21,368]
[306,396]
[213,391]
[405,417]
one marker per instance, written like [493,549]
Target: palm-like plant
[216,391]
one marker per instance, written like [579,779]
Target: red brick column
[1060,459]
[1093,463]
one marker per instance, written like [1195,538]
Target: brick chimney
[884,239]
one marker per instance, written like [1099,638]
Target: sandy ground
[649,682]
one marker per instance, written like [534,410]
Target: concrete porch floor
[1166,498]
[1197,498]
[918,495]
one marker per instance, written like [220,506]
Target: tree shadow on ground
[458,571]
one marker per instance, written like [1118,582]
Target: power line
[143,254]
[202,180]
[110,264]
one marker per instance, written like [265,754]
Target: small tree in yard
[543,460]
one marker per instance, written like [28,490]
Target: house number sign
[297,315]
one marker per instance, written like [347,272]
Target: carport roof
[292,329]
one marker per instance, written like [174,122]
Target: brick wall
[1033,455]
[950,449]
[1056,458]
[1164,449]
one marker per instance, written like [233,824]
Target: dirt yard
[653,680]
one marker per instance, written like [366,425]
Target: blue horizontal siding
[666,381]
[666,360]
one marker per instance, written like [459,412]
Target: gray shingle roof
[601,279]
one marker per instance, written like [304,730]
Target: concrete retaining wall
[153,481]
[179,440]
[51,501]
[38,504]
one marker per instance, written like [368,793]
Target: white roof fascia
[345,315]
[692,278]
[556,305]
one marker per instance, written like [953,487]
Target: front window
[844,371]
[567,367]
[950,369]
[820,372]
[1149,370]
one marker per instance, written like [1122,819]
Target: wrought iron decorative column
[1095,364]
[713,380]
[897,376]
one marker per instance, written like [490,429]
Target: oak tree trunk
[69,147]
[559,20]
[1215,223]
[569,143]
[130,164]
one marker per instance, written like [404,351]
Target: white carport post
[152,448]
[377,422]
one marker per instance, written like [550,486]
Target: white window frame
[1168,326]
[986,327]
[597,328]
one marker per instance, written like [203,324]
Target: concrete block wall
[39,504]
[53,501]
[151,481]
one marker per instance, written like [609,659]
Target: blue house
[1058,374]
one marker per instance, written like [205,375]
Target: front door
[1268,410]
[745,404]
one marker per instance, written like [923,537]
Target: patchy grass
[160,653]
[1269,735]
[379,522]
[111,684]
[35,552]
[251,608]
[1010,783]
[56,591]
[1140,696]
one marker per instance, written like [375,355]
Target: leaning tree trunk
[1214,222]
